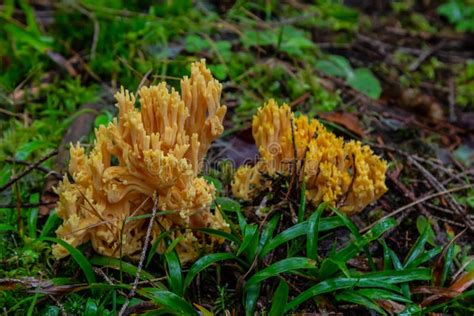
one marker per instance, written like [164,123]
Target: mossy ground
[398,75]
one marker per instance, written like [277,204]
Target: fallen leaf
[347,120]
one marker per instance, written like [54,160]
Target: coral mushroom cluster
[344,174]
[150,153]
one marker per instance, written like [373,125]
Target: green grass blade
[31,309]
[33,216]
[267,232]
[376,294]
[81,260]
[285,265]
[115,263]
[203,263]
[321,288]
[424,257]
[251,297]
[250,237]
[387,260]
[219,233]
[383,279]
[396,276]
[313,232]
[6,228]
[351,250]
[418,247]
[52,221]
[175,276]
[170,301]
[299,230]
[448,262]
[398,266]
[154,246]
[279,300]
[356,298]
[302,206]
[227,204]
[358,237]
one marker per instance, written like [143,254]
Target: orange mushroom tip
[347,175]
[146,153]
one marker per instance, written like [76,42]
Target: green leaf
[195,43]
[251,297]
[398,266]
[452,11]
[382,294]
[39,43]
[418,247]
[302,206]
[384,279]
[364,81]
[424,257]
[52,222]
[298,230]
[154,246]
[220,233]
[250,237]
[172,302]
[175,277]
[5,174]
[31,309]
[279,300]
[423,223]
[336,66]
[216,182]
[267,232]
[121,265]
[203,263]
[356,298]
[33,215]
[91,308]
[227,204]
[77,256]
[313,232]
[353,248]
[25,150]
[358,237]
[6,228]
[285,265]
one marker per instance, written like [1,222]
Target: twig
[26,205]
[423,56]
[27,170]
[39,168]
[452,101]
[142,259]
[421,200]
[441,188]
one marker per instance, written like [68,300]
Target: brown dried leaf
[347,120]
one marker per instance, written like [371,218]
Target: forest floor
[396,75]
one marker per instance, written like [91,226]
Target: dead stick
[142,259]
[421,200]
[28,170]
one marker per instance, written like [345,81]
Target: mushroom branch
[344,174]
[147,153]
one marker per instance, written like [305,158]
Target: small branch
[421,200]
[28,170]
[26,205]
[142,259]
[25,163]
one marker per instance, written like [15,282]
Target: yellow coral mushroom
[347,175]
[154,152]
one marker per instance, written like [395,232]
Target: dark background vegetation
[398,75]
